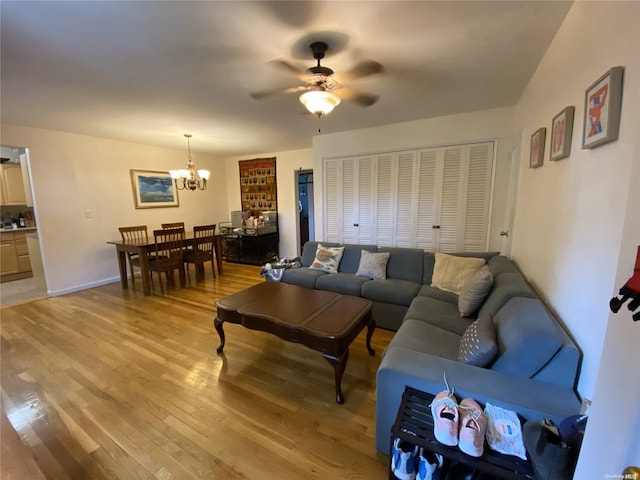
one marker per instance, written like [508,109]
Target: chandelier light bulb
[189,178]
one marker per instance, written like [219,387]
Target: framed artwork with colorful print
[602,105]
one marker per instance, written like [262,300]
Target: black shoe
[460,471]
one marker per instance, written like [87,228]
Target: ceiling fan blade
[362,99]
[296,70]
[362,69]
[276,91]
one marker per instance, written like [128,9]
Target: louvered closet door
[332,179]
[385,178]
[406,206]
[429,171]
[450,221]
[349,200]
[477,191]
[435,198]
[365,218]
[358,207]
[462,216]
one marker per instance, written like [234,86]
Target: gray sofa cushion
[474,291]
[478,344]
[527,337]
[388,316]
[433,292]
[501,264]
[351,257]
[563,368]
[391,290]
[343,283]
[404,263]
[373,265]
[303,277]
[422,337]
[440,314]
[505,287]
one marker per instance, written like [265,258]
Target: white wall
[571,213]
[475,126]
[577,222]
[615,413]
[73,173]
[287,164]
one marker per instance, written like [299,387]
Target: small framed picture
[152,189]
[561,132]
[602,105]
[536,156]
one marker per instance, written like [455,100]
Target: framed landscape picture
[561,131]
[153,189]
[536,155]
[602,104]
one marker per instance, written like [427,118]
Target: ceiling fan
[321,91]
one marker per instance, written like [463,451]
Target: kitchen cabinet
[12,185]
[15,262]
[22,251]
[8,256]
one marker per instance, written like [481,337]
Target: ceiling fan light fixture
[319,102]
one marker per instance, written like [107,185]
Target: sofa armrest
[401,367]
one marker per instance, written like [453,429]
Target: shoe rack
[414,424]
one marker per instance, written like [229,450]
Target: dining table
[145,248]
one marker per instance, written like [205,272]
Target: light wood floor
[110,384]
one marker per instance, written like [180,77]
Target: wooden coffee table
[323,321]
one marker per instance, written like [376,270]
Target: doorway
[305,207]
[22,278]
[507,232]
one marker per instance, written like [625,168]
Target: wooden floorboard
[108,383]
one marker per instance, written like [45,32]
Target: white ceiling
[147,72]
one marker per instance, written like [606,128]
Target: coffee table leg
[338,364]
[218,324]
[370,328]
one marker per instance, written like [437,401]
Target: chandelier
[190,177]
[319,102]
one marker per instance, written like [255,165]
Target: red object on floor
[634,281]
[630,291]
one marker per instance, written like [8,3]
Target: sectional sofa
[533,366]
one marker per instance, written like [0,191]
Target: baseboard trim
[78,288]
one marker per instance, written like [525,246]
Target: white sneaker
[404,460]
[428,464]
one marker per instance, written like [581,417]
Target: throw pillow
[327,259]
[474,291]
[373,265]
[478,344]
[450,273]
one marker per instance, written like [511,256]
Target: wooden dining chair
[135,234]
[172,225]
[169,250]
[203,250]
